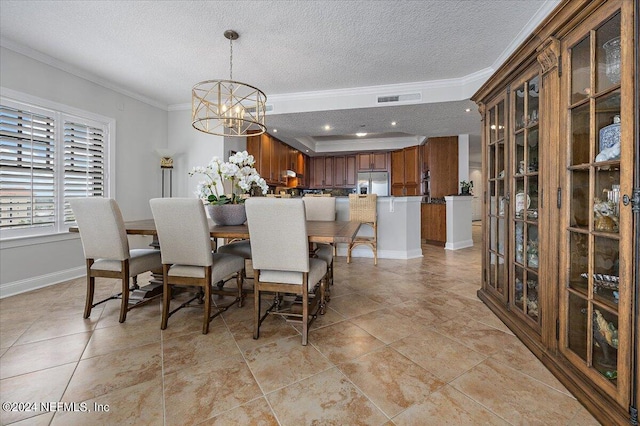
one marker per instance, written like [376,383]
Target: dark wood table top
[318,231]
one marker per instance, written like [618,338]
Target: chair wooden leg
[207,308]
[124,306]
[349,253]
[166,298]
[375,255]
[256,306]
[239,281]
[323,293]
[91,286]
[305,313]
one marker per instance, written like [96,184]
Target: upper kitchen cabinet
[560,251]
[372,162]
[322,172]
[440,162]
[274,158]
[405,173]
[344,171]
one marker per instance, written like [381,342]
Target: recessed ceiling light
[306,150]
[275,130]
[468,110]
[393,123]
[327,127]
[361,134]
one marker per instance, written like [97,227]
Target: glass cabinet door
[595,294]
[523,208]
[495,132]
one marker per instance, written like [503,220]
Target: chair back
[278,234]
[183,231]
[101,228]
[320,208]
[363,208]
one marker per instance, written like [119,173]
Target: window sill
[9,243]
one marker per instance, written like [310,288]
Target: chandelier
[228,107]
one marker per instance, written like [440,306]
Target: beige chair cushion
[325,252]
[318,270]
[223,266]
[239,248]
[141,260]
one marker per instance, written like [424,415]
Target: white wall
[475,175]
[140,129]
[463,158]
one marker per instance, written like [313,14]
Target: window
[48,156]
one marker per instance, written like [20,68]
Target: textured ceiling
[159,49]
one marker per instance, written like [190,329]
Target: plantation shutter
[27,164]
[84,163]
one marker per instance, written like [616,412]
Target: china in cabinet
[558,128]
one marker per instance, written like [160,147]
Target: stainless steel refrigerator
[373,183]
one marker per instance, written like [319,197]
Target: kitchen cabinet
[321,172]
[433,223]
[372,162]
[344,171]
[273,157]
[440,160]
[558,160]
[405,172]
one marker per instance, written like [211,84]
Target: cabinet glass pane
[605,343]
[501,236]
[608,54]
[500,159]
[533,309]
[519,166]
[532,246]
[496,273]
[608,125]
[578,262]
[493,125]
[580,211]
[519,238]
[606,278]
[500,192]
[521,200]
[493,240]
[606,208]
[501,121]
[532,149]
[491,162]
[520,118]
[578,327]
[580,71]
[533,101]
[519,288]
[532,192]
[580,135]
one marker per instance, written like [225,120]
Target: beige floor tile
[475,335]
[116,370]
[514,396]
[283,362]
[196,348]
[386,325]
[220,386]
[10,332]
[39,420]
[390,380]
[344,341]
[110,316]
[44,354]
[326,398]
[447,406]
[443,357]
[583,418]
[140,404]
[273,328]
[354,305]
[255,413]
[40,386]
[122,336]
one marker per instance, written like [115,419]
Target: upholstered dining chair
[107,253]
[187,259]
[281,262]
[322,209]
[240,248]
[363,209]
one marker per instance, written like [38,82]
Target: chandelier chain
[231,59]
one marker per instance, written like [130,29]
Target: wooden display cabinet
[559,120]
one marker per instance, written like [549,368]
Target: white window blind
[27,167]
[84,164]
[48,156]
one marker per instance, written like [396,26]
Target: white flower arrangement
[239,170]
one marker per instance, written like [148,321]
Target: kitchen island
[398,228]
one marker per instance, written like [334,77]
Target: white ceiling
[326,54]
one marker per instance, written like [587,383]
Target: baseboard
[17,287]
[458,245]
[363,251]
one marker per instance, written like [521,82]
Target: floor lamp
[166,166]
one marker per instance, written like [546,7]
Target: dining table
[330,232]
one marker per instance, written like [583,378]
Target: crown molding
[63,66]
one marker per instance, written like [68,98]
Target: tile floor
[404,343]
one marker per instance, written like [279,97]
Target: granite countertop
[435,201]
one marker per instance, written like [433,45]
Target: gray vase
[227,214]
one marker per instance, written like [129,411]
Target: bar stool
[363,209]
